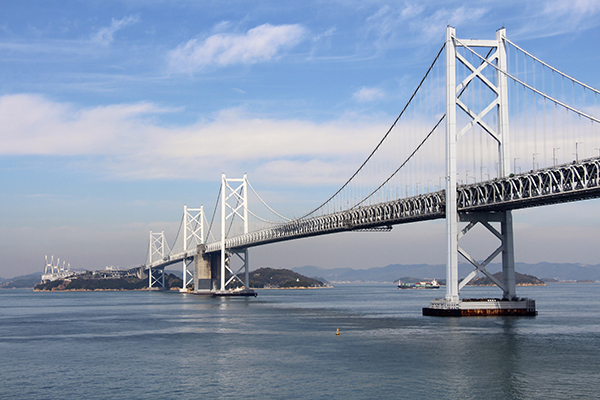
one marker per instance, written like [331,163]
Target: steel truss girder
[560,184]
[419,208]
[568,182]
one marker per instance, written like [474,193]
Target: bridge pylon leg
[508,256]
[451,171]
[188,274]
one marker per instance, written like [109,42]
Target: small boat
[433,284]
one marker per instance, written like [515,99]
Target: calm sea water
[283,344]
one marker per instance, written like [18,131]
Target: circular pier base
[480,308]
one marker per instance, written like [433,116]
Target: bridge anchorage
[447,155]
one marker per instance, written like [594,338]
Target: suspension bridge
[490,128]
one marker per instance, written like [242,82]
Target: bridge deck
[560,184]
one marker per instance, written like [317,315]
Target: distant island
[270,278]
[548,272]
[90,281]
[263,278]
[520,280]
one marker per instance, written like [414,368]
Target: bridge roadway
[559,184]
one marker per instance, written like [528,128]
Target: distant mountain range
[23,281]
[391,273]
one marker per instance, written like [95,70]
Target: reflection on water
[283,344]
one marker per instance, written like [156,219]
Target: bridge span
[575,181]
[455,125]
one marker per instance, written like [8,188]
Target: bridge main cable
[381,141]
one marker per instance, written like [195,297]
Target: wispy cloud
[262,43]
[365,94]
[325,35]
[577,8]
[416,23]
[434,26]
[575,15]
[130,143]
[105,36]
[35,125]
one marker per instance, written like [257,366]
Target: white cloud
[308,172]
[368,94]
[34,125]
[262,43]
[130,143]
[105,35]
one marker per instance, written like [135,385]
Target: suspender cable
[554,69]
[545,96]
[384,137]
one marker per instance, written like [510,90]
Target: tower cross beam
[476,72]
[477,118]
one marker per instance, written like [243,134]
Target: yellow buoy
[338,332]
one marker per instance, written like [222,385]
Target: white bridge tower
[156,276]
[193,232]
[495,59]
[234,202]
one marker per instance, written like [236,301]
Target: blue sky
[114,114]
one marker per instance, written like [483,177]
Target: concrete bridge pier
[203,281]
[207,271]
[207,275]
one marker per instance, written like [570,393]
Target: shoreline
[89,290]
[293,288]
